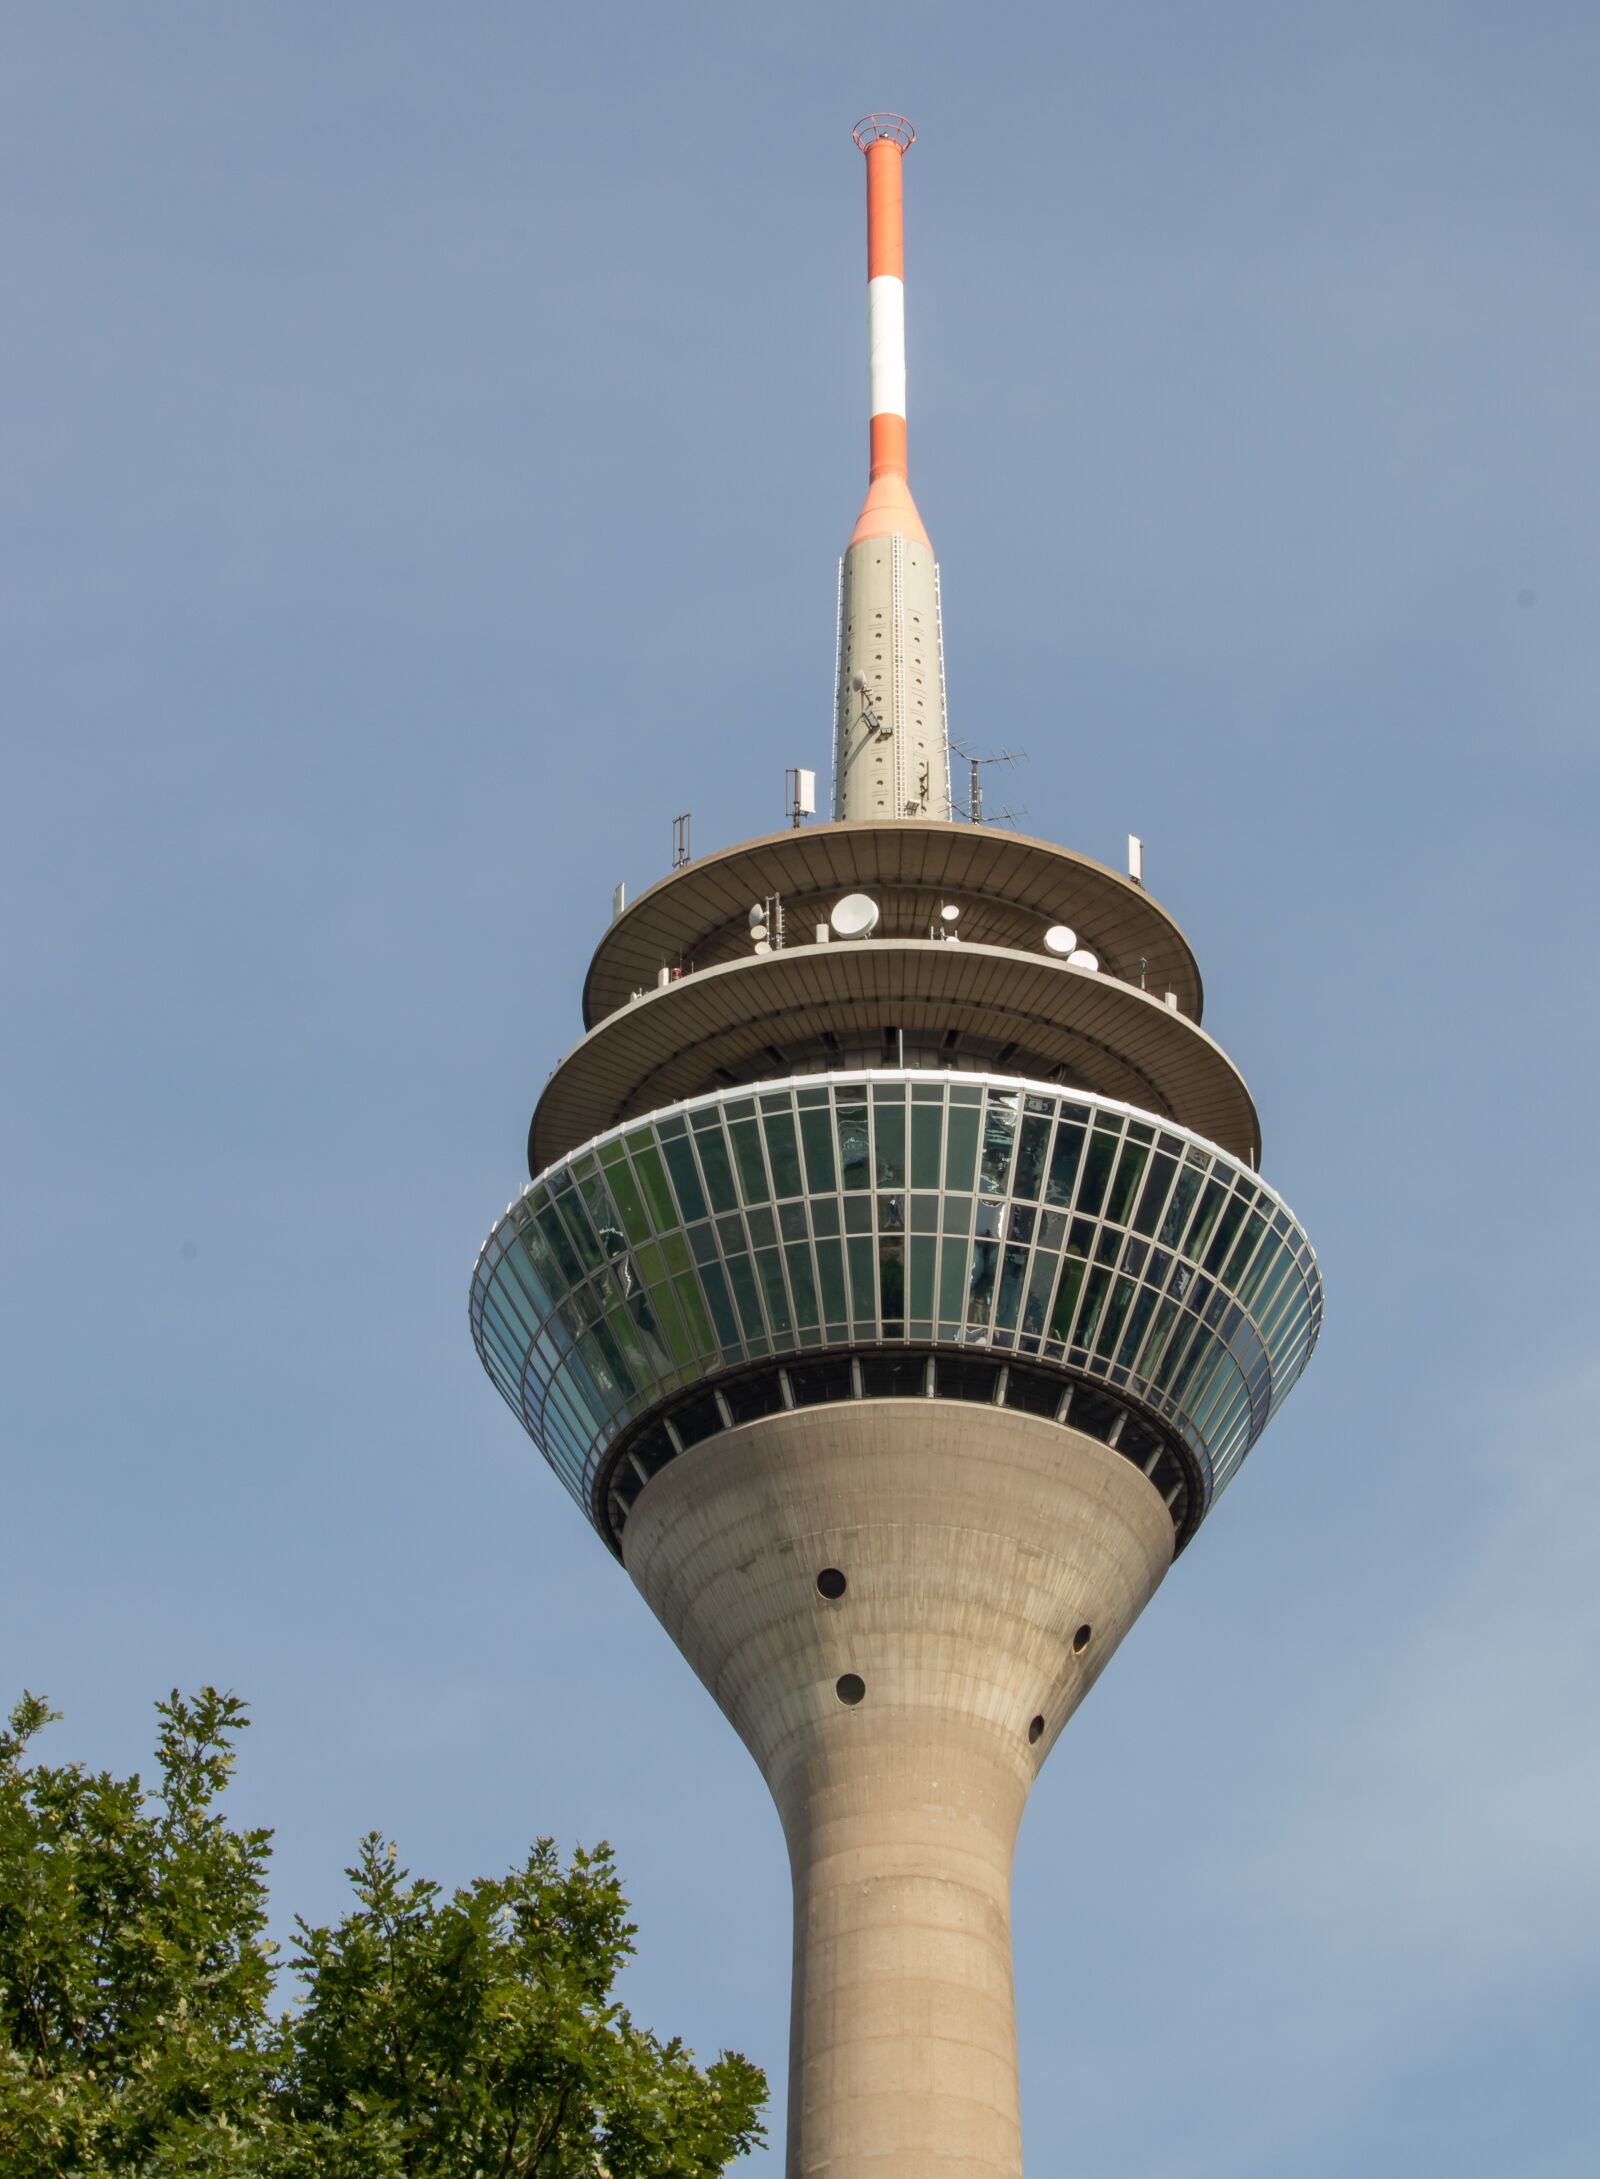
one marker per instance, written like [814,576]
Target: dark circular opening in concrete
[850,1687]
[1081,1640]
[831,1583]
[1035,1731]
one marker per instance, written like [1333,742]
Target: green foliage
[465,2037]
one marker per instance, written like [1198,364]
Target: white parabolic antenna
[856,916]
[1060,938]
[1083,958]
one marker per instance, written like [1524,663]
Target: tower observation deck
[895,1293]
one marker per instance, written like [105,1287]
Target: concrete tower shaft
[898,1614]
[891,744]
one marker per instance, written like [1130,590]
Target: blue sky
[428,437]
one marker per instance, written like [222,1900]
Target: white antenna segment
[1061,939]
[1083,958]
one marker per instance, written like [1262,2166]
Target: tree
[473,2035]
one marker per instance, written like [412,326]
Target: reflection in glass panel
[855,1163]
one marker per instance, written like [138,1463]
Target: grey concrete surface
[976,1544]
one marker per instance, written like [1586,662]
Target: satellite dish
[1083,958]
[758,915]
[856,916]
[857,683]
[1060,938]
[949,913]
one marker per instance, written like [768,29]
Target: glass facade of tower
[885,1209]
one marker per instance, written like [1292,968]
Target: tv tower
[895,1293]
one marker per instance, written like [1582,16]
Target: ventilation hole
[850,1687]
[1081,1641]
[1035,1731]
[830,1582]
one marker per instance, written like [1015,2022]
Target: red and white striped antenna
[891,759]
[885,138]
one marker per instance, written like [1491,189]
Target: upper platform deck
[1009,889]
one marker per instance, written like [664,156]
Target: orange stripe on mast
[885,209]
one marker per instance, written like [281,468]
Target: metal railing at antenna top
[872,128]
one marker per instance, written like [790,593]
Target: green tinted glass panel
[1190,1180]
[1096,1287]
[1205,1218]
[1096,1172]
[719,1303]
[802,1282]
[816,1132]
[1008,1301]
[1033,1147]
[830,1270]
[784,1153]
[980,1280]
[863,1300]
[855,1164]
[952,1278]
[1157,1180]
[1227,1226]
[719,1173]
[561,1248]
[1134,1330]
[1129,1173]
[771,1271]
[747,1156]
[1045,1265]
[961,1148]
[742,1279]
[1066,1298]
[678,1341]
[653,1181]
[680,1164]
[999,1141]
[694,1312]
[1064,1163]
[630,1205]
[1114,1316]
[922,1249]
[927,1126]
[892,1279]
[889,1130]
